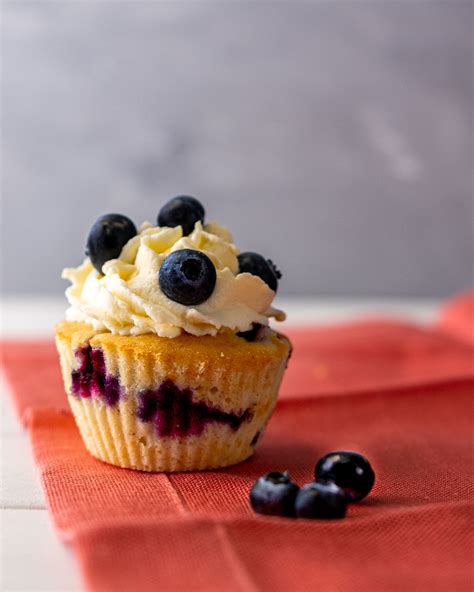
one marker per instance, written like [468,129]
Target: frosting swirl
[126,298]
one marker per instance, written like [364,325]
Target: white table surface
[32,558]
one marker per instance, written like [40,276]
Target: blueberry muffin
[168,360]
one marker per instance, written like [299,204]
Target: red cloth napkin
[398,393]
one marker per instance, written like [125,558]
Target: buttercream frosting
[126,298]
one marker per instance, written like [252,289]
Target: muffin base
[224,373]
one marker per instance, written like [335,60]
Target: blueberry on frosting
[183,211]
[263,268]
[107,237]
[187,277]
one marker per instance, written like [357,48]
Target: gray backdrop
[335,137]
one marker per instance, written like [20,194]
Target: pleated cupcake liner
[108,436]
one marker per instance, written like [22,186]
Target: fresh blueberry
[348,470]
[320,500]
[188,277]
[274,494]
[252,334]
[257,265]
[107,237]
[183,211]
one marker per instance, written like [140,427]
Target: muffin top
[181,276]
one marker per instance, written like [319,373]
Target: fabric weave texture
[400,394]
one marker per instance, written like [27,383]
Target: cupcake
[168,360]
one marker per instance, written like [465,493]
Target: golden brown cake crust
[182,346]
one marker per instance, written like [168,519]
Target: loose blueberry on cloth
[274,494]
[320,500]
[348,470]
[342,477]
